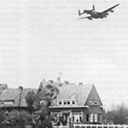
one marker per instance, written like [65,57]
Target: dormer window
[8,102]
[73,102]
[60,102]
[67,102]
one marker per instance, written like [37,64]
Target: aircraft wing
[104,14]
[110,9]
[88,17]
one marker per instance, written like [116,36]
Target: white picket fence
[94,126]
[61,126]
[99,126]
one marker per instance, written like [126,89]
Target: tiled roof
[75,91]
[79,92]
[10,94]
[14,95]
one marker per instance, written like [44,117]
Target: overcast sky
[42,38]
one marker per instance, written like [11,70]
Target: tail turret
[79,13]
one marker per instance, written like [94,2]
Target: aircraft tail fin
[93,7]
[79,13]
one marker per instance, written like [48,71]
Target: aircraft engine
[111,11]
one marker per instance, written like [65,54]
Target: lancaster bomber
[94,14]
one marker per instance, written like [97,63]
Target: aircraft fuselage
[94,14]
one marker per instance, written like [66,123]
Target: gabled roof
[94,96]
[74,91]
[12,94]
[78,92]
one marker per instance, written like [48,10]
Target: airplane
[95,14]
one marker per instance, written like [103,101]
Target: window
[91,118]
[98,118]
[96,102]
[90,102]
[73,119]
[80,118]
[93,103]
[87,117]
[95,117]
[73,102]
[66,102]
[8,102]
[77,117]
[60,102]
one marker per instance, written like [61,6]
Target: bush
[2,116]
[118,114]
[19,118]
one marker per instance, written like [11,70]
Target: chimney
[20,87]
[66,82]
[3,87]
[51,81]
[80,83]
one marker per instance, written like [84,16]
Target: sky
[39,39]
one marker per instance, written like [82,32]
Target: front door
[65,118]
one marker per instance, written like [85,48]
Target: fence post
[102,126]
[124,126]
[90,125]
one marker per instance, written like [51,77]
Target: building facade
[14,98]
[75,103]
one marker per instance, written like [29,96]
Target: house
[14,98]
[76,103]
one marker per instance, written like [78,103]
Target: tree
[43,99]
[45,96]
[30,100]
[118,114]
[20,95]
[19,118]
[2,116]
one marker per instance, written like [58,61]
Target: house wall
[93,111]
[85,112]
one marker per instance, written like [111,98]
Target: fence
[99,126]
[94,126]
[61,126]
